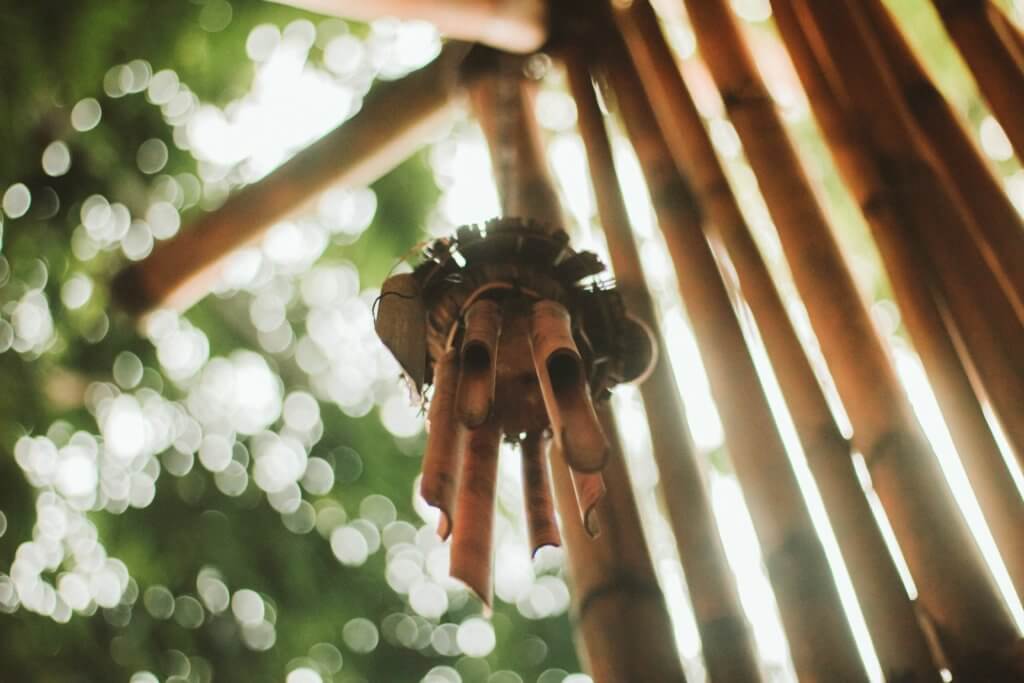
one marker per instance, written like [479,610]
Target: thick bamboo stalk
[996,492]
[540,507]
[395,121]
[901,647]
[516,26]
[503,104]
[903,468]
[473,531]
[479,362]
[618,608]
[912,208]
[728,648]
[995,63]
[563,385]
[999,224]
[444,444]
[991,211]
[818,632]
[912,200]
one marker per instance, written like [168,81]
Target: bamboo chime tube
[960,614]
[618,608]
[997,494]
[563,385]
[517,26]
[444,443]
[990,207]
[394,122]
[818,632]
[888,610]
[999,223]
[993,57]
[479,367]
[540,507]
[729,652]
[473,528]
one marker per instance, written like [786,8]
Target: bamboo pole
[992,482]
[901,646]
[728,648]
[1011,32]
[503,104]
[1003,382]
[903,468]
[918,202]
[996,64]
[1000,228]
[394,122]
[924,206]
[818,632]
[515,26]
[618,610]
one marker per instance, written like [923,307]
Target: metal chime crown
[518,336]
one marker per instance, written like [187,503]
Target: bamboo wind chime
[515,336]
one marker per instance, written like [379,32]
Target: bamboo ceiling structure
[952,246]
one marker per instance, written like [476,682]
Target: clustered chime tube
[518,337]
[521,339]
[516,349]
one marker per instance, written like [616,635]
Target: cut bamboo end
[563,385]
[441,459]
[589,489]
[479,367]
[540,507]
[473,531]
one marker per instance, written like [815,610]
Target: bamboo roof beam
[901,646]
[994,57]
[820,639]
[619,611]
[905,198]
[514,26]
[395,121]
[900,460]
[729,651]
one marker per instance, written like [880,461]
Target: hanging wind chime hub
[518,334]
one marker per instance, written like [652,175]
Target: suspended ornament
[518,335]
